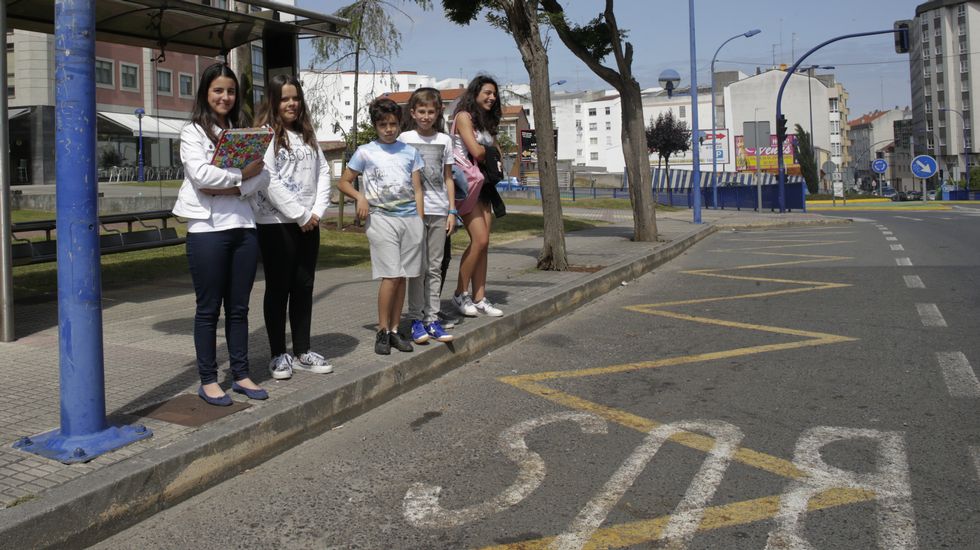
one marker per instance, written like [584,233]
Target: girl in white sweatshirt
[222,248]
[288,215]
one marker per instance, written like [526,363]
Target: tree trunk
[522,20]
[670,188]
[638,164]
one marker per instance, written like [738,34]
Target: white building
[330,95]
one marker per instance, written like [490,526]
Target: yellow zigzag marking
[715,517]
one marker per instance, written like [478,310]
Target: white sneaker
[485,307]
[313,362]
[464,304]
[281,367]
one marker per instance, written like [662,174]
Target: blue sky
[874,75]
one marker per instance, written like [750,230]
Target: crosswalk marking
[897,247]
[887,233]
[914,281]
[903,261]
[930,315]
[908,218]
[960,379]
[891,238]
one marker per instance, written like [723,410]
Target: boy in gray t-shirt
[392,204]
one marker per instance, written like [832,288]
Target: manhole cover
[189,410]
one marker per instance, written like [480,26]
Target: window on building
[593,156]
[963,45]
[608,125]
[608,140]
[553,109]
[608,110]
[926,55]
[578,152]
[592,111]
[834,105]
[527,113]
[929,126]
[835,149]
[164,86]
[186,84]
[11,90]
[103,73]
[928,107]
[578,109]
[683,111]
[412,86]
[961,10]
[129,77]
[578,124]
[593,141]
[835,127]
[593,126]
[964,65]
[930,142]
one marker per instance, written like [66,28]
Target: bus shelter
[162,25]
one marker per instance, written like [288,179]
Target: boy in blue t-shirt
[392,196]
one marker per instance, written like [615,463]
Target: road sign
[879,166]
[924,166]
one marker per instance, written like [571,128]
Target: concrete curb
[91,508]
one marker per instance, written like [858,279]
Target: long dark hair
[483,120]
[427,96]
[269,113]
[202,115]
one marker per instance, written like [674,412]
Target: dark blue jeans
[223,265]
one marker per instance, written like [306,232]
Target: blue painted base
[75,449]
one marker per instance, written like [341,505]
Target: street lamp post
[758,162]
[139,117]
[966,150]
[714,141]
[695,148]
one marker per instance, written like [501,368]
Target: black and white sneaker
[281,366]
[312,361]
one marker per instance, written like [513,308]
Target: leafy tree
[592,43]
[804,156]
[374,36]
[520,18]
[975,178]
[668,136]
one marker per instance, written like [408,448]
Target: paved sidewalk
[149,358]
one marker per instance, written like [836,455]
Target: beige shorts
[396,245]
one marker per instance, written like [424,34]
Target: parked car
[913,195]
[932,194]
[889,192]
[899,196]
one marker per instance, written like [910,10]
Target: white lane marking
[903,261]
[897,247]
[960,379]
[947,218]
[889,482]
[914,281]
[887,233]
[930,315]
[686,518]
[421,504]
[908,218]
[881,227]
[975,452]
[891,238]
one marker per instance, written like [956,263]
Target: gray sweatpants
[423,291]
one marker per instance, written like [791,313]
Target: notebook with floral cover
[239,146]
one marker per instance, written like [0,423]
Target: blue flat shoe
[259,394]
[223,401]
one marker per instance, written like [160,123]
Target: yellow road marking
[715,517]
[718,516]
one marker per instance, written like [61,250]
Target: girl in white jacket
[288,215]
[222,248]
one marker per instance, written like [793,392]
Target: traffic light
[902,36]
[781,129]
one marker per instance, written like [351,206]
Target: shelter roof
[180,25]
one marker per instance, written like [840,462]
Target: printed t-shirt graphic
[387,173]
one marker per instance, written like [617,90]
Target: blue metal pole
[779,104]
[695,144]
[84,432]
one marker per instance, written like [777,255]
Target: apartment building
[871,136]
[944,80]
[159,83]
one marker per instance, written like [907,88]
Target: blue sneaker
[419,334]
[436,331]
